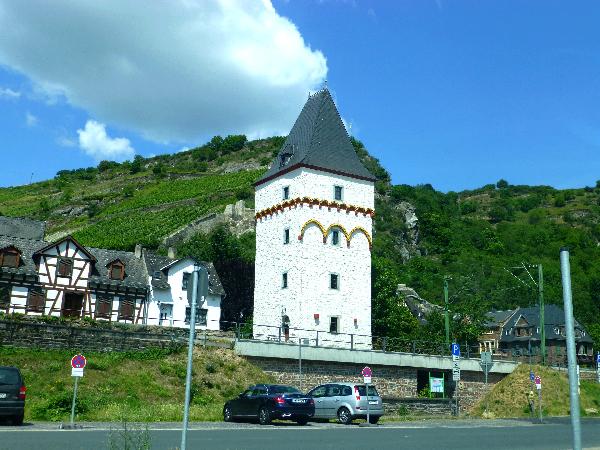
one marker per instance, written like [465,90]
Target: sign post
[456,370]
[538,386]
[78,363]
[199,288]
[598,366]
[486,364]
[367,373]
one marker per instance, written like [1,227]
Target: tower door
[72,304]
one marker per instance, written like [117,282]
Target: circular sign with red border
[367,372]
[78,362]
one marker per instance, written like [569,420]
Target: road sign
[202,290]
[367,373]
[455,371]
[538,382]
[531,375]
[598,358]
[455,349]
[76,372]
[78,362]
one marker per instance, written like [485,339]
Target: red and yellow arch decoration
[314,202]
[325,231]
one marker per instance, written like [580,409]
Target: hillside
[422,235]
[509,397]
[131,386]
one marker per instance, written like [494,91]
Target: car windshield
[283,390]
[9,376]
[362,390]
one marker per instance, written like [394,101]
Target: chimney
[138,250]
[171,253]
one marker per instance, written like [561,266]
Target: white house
[315,207]
[169,280]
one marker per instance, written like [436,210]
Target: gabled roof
[23,228]
[161,264]
[27,247]
[60,241]
[318,140]
[135,271]
[116,260]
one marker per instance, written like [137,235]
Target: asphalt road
[451,434]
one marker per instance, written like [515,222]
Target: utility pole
[542,316]
[446,314]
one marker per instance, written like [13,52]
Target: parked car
[346,402]
[12,394]
[266,402]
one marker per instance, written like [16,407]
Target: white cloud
[30,119]
[8,93]
[94,141]
[65,141]
[177,70]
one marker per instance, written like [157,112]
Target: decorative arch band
[325,231]
[314,202]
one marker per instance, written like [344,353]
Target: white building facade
[169,281]
[315,208]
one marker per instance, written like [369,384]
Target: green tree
[502,184]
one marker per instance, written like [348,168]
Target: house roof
[135,271]
[23,228]
[554,317]
[161,264]
[318,140]
[27,247]
[497,318]
[67,238]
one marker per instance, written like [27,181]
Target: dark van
[12,394]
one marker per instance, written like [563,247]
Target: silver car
[346,402]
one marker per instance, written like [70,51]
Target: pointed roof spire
[318,140]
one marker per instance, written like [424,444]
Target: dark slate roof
[497,318]
[319,139]
[27,247]
[23,228]
[554,316]
[135,271]
[157,263]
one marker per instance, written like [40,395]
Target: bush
[502,184]
[559,200]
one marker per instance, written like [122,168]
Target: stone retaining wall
[89,338]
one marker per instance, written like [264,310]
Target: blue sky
[456,94]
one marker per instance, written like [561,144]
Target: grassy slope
[509,397]
[141,386]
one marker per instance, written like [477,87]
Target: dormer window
[116,270]
[9,257]
[64,267]
[285,156]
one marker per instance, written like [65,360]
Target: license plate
[3,395]
[373,402]
[298,400]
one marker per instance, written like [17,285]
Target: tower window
[334,281]
[338,192]
[335,237]
[284,280]
[286,236]
[334,324]
[286,192]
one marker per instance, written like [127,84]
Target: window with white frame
[338,193]
[185,280]
[284,280]
[334,324]
[286,236]
[334,281]
[286,193]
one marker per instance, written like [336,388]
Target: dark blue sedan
[266,402]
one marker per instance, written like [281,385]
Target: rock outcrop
[408,243]
[419,307]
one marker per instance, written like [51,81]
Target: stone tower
[314,213]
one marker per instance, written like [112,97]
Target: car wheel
[373,419]
[302,420]
[264,418]
[18,420]
[344,416]
[227,416]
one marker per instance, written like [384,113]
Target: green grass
[131,386]
[509,397]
